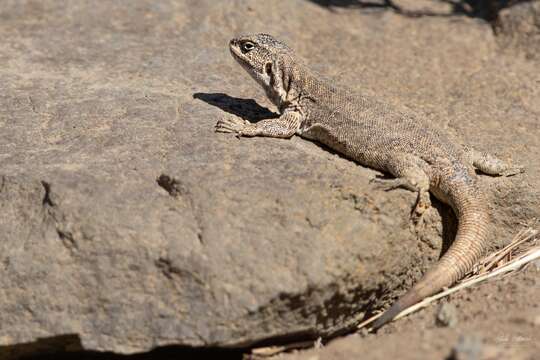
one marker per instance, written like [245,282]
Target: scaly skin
[367,131]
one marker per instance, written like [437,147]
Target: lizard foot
[512,171]
[423,203]
[391,184]
[231,125]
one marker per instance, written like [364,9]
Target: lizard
[368,131]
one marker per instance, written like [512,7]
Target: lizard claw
[417,217]
[423,203]
[230,125]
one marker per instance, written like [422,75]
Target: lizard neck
[276,97]
[283,83]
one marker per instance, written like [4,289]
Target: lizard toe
[230,125]
[391,184]
[513,171]
[423,203]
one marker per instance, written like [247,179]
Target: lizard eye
[247,46]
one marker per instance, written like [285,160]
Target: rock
[536,321]
[520,27]
[128,224]
[469,347]
[447,315]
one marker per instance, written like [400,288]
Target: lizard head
[259,54]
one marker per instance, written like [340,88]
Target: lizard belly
[357,150]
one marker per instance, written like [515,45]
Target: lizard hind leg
[491,165]
[410,173]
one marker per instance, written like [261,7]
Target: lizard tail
[469,245]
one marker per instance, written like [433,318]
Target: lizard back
[367,130]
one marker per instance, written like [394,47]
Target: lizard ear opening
[268,68]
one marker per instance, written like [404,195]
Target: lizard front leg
[283,127]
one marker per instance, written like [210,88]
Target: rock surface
[129,224]
[447,315]
[520,28]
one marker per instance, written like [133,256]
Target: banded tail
[469,245]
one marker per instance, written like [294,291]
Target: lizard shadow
[247,109]
[449,224]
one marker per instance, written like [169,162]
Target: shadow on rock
[159,354]
[247,109]
[484,9]
[449,224]
[69,347]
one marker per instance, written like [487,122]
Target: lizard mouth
[235,51]
[237,55]
[244,62]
